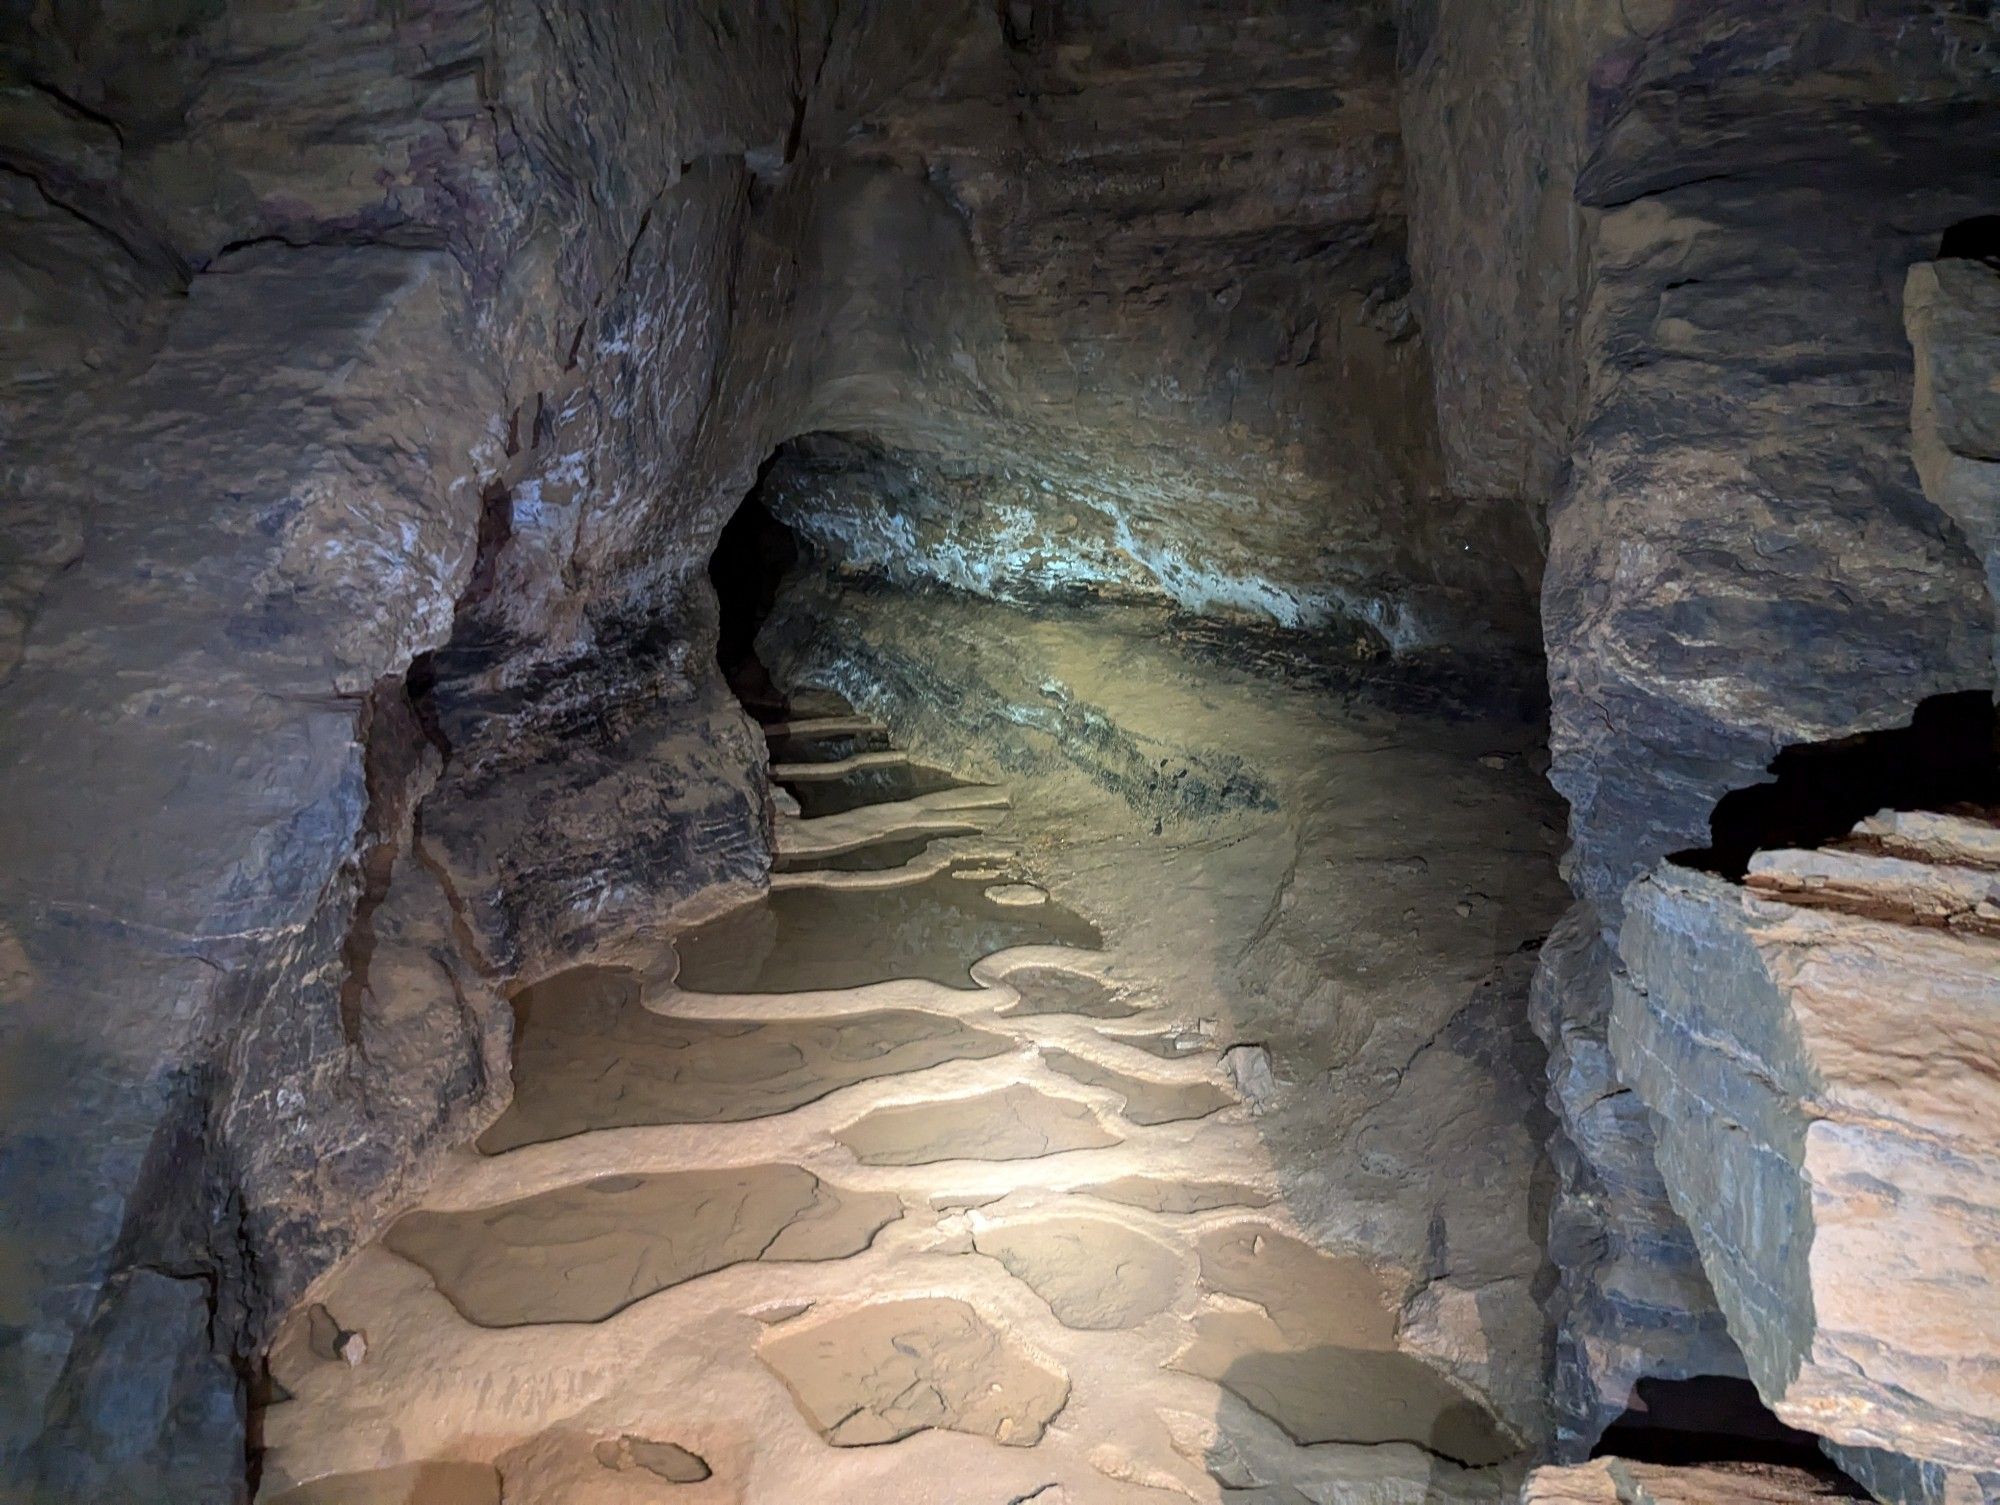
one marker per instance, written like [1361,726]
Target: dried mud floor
[881,1188]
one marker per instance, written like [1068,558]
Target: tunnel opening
[1714,1418]
[755,555]
[1948,757]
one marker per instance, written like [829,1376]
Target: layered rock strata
[1633,1301]
[1625,308]
[1832,1147]
[1623,1481]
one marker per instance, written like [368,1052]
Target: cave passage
[754,554]
[942,1138]
[814,753]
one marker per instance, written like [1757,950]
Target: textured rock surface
[397,332]
[1833,1150]
[1952,310]
[1492,101]
[1745,559]
[1622,1481]
[1608,206]
[1161,343]
[1633,1301]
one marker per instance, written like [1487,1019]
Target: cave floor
[1062,1160]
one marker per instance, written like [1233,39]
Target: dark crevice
[754,556]
[1976,239]
[496,528]
[1947,757]
[1713,1418]
[392,742]
[146,249]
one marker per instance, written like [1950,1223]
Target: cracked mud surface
[895,1192]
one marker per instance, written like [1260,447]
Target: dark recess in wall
[1949,755]
[1972,240]
[1713,1418]
[753,556]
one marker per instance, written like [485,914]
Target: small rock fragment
[669,1460]
[1249,1067]
[1017,895]
[330,1341]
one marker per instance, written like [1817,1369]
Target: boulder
[1817,1047]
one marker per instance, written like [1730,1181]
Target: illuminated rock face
[1622,1481]
[1816,1048]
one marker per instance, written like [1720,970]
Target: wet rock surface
[584,1252]
[942,1257]
[1017,1123]
[814,937]
[588,1054]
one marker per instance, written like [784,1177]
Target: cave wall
[377,383]
[1117,304]
[1661,253]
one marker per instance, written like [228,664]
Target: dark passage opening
[1948,756]
[752,559]
[1972,240]
[1713,1418]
